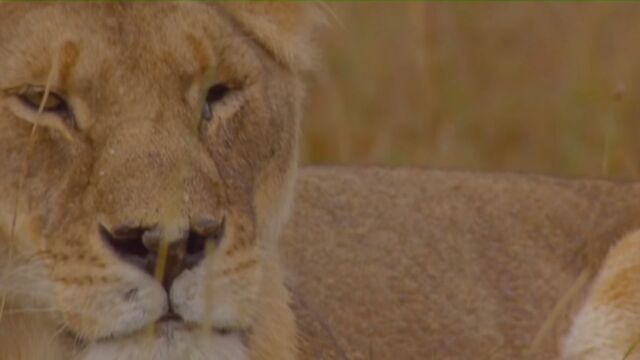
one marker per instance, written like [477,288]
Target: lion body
[425,264]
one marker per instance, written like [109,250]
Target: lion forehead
[126,43]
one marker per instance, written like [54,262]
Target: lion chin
[169,340]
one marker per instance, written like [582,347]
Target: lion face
[147,154]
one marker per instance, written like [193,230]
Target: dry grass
[545,87]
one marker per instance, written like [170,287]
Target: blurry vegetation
[544,87]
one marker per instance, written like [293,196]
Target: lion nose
[143,247]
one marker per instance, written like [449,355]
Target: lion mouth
[170,317]
[175,321]
[170,327]
[167,326]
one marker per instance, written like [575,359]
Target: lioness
[148,157]
[148,161]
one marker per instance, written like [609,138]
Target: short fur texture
[608,324]
[390,264]
[139,154]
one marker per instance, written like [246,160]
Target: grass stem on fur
[631,349]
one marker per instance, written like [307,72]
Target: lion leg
[607,327]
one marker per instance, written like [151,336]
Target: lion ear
[284,28]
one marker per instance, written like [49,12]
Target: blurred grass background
[548,87]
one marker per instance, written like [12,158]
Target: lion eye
[53,103]
[214,95]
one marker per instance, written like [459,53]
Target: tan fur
[382,264]
[608,324]
[136,77]
[390,264]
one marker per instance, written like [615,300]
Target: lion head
[148,155]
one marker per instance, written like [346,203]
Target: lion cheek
[225,303]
